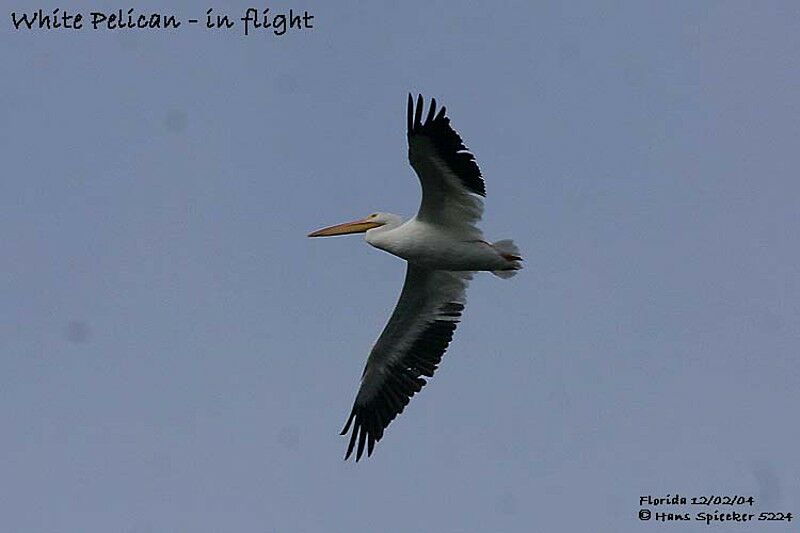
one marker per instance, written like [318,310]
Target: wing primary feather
[410,115]
[373,433]
[362,439]
[352,442]
[431,111]
[418,113]
[349,422]
[370,444]
[381,413]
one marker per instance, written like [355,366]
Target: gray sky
[175,355]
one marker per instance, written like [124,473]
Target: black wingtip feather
[362,437]
[418,112]
[349,421]
[352,443]
[410,114]
[431,111]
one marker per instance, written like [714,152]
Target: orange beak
[357,226]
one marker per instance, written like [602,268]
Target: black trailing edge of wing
[402,381]
[447,142]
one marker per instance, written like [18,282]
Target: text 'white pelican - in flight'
[443,247]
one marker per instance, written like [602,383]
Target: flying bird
[443,247]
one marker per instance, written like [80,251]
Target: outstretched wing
[410,347]
[452,185]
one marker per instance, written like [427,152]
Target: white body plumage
[435,246]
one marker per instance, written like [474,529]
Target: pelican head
[375,220]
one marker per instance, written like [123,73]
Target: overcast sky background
[176,355]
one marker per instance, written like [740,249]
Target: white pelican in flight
[443,247]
